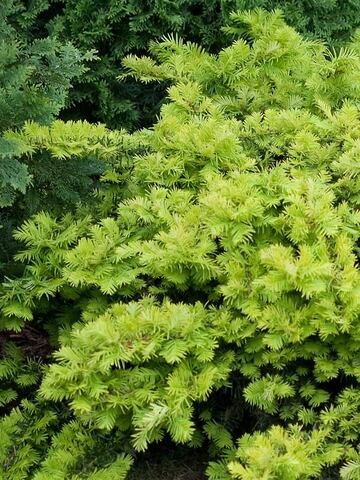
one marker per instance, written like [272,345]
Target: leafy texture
[114,29]
[59,171]
[218,296]
[333,21]
[35,79]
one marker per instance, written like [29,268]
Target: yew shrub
[213,298]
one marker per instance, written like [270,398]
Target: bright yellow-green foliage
[219,297]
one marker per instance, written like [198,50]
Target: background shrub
[114,29]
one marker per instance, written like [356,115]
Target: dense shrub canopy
[218,296]
[44,47]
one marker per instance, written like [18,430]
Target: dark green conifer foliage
[119,28]
[116,28]
[333,21]
[35,78]
[34,82]
[226,263]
